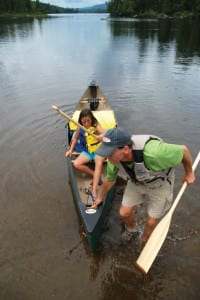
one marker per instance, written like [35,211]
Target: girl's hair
[87,113]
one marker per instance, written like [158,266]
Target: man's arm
[189,175]
[106,186]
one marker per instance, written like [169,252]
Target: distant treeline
[28,6]
[130,8]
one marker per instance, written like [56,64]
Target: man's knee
[125,212]
[151,222]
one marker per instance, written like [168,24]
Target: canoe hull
[92,223]
[91,219]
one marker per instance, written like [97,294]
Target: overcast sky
[74,3]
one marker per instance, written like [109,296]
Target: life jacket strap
[129,171]
[93,144]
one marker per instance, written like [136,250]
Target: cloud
[73,3]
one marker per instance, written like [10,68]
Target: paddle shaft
[62,113]
[178,197]
[159,234]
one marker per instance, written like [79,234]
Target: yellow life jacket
[92,143]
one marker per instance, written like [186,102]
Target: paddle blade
[159,234]
[153,245]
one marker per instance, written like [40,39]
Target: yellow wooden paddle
[72,120]
[156,239]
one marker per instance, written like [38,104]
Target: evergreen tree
[134,7]
[24,6]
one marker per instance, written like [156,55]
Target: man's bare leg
[149,227]
[128,217]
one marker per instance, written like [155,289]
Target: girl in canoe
[86,143]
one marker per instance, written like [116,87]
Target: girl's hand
[68,153]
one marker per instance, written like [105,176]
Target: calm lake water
[150,72]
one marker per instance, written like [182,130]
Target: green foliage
[130,8]
[15,6]
[28,6]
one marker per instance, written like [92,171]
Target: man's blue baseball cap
[113,139]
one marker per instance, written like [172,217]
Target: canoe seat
[94,103]
[75,153]
[87,100]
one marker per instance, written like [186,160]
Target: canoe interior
[94,99]
[84,184]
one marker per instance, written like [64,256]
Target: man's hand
[96,202]
[189,176]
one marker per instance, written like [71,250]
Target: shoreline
[152,15]
[22,15]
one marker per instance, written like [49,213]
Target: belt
[162,178]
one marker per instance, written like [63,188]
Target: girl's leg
[97,173]
[80,164]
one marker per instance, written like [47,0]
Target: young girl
[88,143]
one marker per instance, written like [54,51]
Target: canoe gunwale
[92,223]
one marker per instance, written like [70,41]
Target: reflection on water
[9,29]
[183,33]
[149,71]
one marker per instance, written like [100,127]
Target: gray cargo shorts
[158,196]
